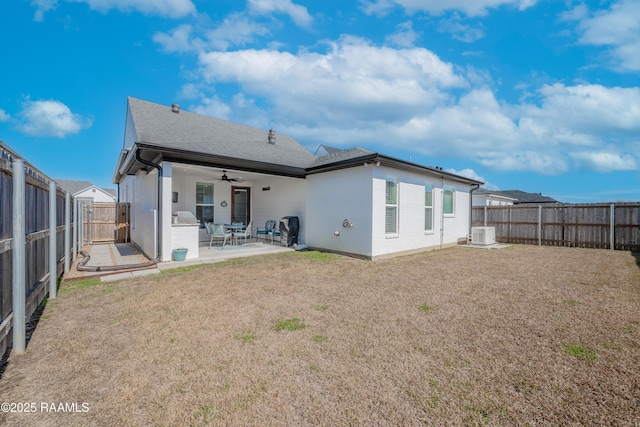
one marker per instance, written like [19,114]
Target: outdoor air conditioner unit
[483,235]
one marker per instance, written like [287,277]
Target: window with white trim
[428,208]
[448,201]
[391,207]
[204,202]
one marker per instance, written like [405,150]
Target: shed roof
[77,186]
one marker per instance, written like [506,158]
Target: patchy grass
[425,307]
[319,338]
[248,338]
[580,352]
[294,324]
[317,255]
[184,268]
[426,339]
[80,285]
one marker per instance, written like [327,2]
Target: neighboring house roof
[518,196]
[175,135]
[336,156]
[75,187]
[111,191]
[323,150]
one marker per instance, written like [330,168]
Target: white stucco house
[352,201]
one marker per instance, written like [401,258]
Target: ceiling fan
[226,178]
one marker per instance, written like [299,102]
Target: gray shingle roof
[340,155]
[74,186]
[157,124]
[193,138]
[520,196]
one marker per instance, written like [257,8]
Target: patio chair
[275,232]
[217,231]
[246,233]
[268,226]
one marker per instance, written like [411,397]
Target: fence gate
[105,222]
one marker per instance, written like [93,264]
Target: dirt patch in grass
[453,337]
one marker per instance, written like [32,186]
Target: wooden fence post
[19,241]
[612,230]
[539,225]
[76,215]
[53,258]
[67,231]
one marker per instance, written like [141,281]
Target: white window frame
[211,205]
[445,190]
[388,205]
[428,208]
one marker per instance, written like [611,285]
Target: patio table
[235,227]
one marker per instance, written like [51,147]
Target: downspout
[476,186]
[158,216]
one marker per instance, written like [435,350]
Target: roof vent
[272,136]
[175,108]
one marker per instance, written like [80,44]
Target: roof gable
[159,126]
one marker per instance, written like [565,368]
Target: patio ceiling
[215,173]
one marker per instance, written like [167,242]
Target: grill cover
[289,228]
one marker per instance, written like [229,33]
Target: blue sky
[536,95]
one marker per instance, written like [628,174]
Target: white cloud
[468,173]
[604,161]
[460,31]
[618,28]
[355,93]
[165,8]
[468,7]
[352,81]
[297,13]
[590,108]
[50,118]
[178,40]
[43,6]
[235,30]
[4,117]
[213,107]
[405,36]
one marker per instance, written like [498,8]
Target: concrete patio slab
[126,254]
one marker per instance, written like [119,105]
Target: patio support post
[53,257]
[67,231]
[18,275]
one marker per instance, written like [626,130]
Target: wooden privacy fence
[36,221]
[606,226]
